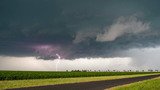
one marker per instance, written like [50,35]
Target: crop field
[152,84]
[8,84]
[21,75]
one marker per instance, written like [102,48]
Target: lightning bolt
[59,57]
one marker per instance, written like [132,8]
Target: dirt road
[95,85]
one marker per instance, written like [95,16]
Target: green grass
[6,84]
[21,75]
[152,84]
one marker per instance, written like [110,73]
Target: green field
[21,75]
[152,84]
[6,84]
[17,79]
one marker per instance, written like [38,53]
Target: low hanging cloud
[85,34]
[123,25]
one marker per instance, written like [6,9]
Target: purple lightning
[47,52]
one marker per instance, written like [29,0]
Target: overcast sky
[84,34]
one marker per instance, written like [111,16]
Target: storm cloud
[77,29]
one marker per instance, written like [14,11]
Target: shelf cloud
[77,30]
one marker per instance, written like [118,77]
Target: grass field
[152,84]
[21,75]
[6,84]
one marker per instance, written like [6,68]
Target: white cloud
[30,63]
[123,25]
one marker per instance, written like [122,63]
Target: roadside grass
[152,84]
[7,84]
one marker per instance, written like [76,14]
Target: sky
[57,35]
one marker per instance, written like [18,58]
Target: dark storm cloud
[78,27]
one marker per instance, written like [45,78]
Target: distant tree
[156,70]
[150,70]
[84,70]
